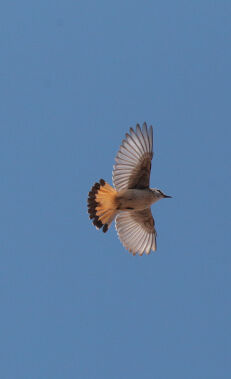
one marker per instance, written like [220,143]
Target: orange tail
[102,204]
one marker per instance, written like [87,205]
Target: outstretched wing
[136,231]
[133,160]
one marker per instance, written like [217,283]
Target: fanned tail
[102,205]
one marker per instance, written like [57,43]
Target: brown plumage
[102,204]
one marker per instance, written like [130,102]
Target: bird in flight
[130,201]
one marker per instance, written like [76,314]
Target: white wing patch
[136,231]
[133,160]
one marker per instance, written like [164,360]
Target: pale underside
[136,229]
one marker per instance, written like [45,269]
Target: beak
[167,197]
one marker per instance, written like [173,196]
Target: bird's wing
[133,160]
[136,231]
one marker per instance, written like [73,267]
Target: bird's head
[158,194]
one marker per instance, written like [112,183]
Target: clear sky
[75,75]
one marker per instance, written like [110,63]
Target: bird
[129,201]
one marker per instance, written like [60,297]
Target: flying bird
[130,201]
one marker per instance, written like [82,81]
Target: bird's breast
[134,199]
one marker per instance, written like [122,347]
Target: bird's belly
[134,199]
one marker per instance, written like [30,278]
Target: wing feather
[133,160]
[136,231]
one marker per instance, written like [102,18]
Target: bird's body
[129,202]
[135,199]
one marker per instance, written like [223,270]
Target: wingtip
[138,128]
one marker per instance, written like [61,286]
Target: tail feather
[102,205]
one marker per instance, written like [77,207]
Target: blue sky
[75,75]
